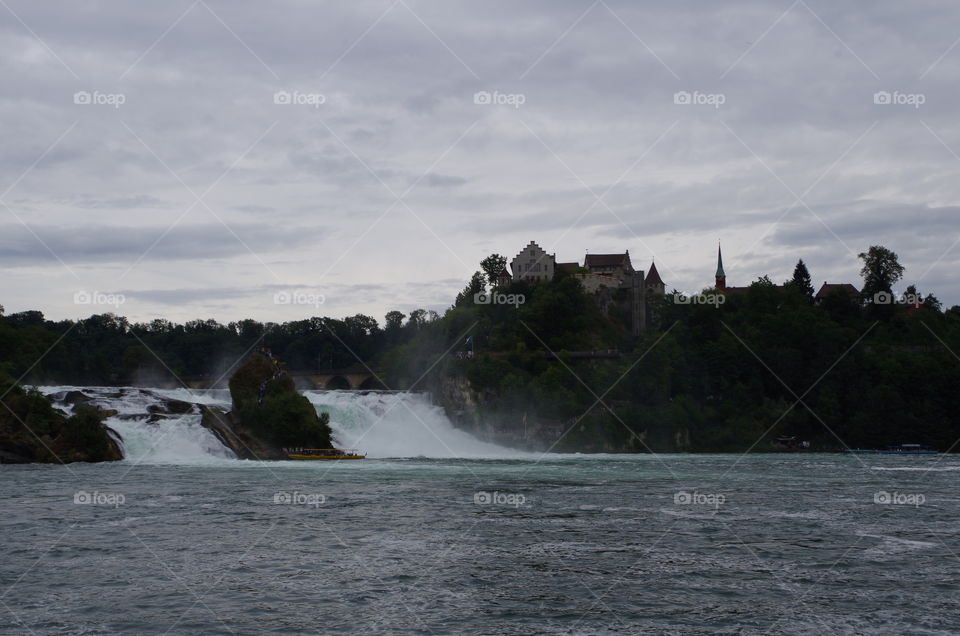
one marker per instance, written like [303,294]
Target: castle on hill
[603,275]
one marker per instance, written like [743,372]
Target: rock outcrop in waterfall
[33,430]
[268,414]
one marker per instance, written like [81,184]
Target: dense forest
[769,361]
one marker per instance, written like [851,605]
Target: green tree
[476,285]
[881,271]
[493,266]
[801,280]
[393,320]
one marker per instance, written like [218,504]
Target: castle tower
[721,282]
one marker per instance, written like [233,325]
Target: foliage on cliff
[279,413]
[766,362]
[31,429]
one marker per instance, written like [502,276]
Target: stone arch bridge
[332,379]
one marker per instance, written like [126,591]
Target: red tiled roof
[653,276]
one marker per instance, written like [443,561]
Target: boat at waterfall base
[322,453]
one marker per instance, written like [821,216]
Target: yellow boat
[322,453]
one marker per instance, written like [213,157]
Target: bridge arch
[371,384]
[339,383]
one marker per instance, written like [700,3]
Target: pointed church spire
[721,282]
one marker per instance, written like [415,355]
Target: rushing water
[419,541]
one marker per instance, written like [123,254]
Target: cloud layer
[202,156]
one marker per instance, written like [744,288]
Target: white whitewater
[382,425]
[175,439]
[399,425]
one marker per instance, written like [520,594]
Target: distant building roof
[653,276]
[568,267]
[607,260]
[829,289]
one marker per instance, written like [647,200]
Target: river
[437,532]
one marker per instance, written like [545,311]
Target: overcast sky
[336,154]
